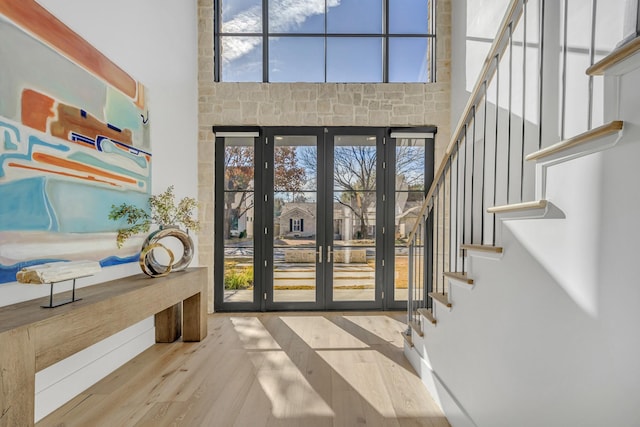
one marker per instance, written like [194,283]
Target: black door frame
[267,243]
[264,215]
[379,133]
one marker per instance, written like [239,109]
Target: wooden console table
[33,338]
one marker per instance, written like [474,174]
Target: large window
[324,41]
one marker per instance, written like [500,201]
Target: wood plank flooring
[266,369]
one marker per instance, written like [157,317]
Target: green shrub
[238,277]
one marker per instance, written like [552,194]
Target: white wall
[474,24]
[548,334]
[155,41]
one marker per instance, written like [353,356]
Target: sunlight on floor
[319,332]
[303,362]
[253,334]
[380,326]
[288,390]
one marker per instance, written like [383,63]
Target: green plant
[238,277]
[162,211]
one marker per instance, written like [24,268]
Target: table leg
[195,318]
[17,378]
[169,324]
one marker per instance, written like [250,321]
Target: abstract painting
[74,140]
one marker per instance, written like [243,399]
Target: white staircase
[541,327]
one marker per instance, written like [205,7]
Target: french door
[310,220]
[325,216]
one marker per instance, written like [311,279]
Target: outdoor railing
[532,92]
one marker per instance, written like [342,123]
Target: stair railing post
[410,286]
[428,260]
[631,26]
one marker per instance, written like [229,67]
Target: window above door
[343,41]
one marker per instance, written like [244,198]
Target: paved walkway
[304,295]
[351,282]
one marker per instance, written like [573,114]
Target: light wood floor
[277,369]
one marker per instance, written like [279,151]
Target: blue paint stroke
[76,137]
[8,272]
[83,208]
[100,139]
[115,260]
[8,143]
[33,141]
[94,161]
[25,206]
[112,127]
[50,204]
[108,146]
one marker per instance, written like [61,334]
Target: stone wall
[310,104]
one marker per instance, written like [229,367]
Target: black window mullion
[217,43]
[432,28]
[325,41]
[265,41]
[385,48]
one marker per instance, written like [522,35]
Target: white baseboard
[64,380]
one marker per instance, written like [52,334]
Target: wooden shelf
[482,248]
[516,207]
[427,314]
[599,132]
[462,277]
[615,57]
[441,298]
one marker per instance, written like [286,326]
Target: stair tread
[590,135]
[427,314]
[416,327]
[407,338]
[484,248]
[459,276]
[536,204]
[441,298]
[618,55]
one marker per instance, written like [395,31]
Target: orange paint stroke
[70,119]
[140,100]
[86,178]
[36,109]
[64,163]
[39,21]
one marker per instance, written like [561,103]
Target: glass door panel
[409,195]
[295,219]
[237,194]
[355,163]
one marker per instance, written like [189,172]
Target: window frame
[265,36]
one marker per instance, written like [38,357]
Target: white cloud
[285,16]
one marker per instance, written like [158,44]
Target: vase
[148,261]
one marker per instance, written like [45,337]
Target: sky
[300,59]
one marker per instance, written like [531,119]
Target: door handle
[319,253]
[329,253]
